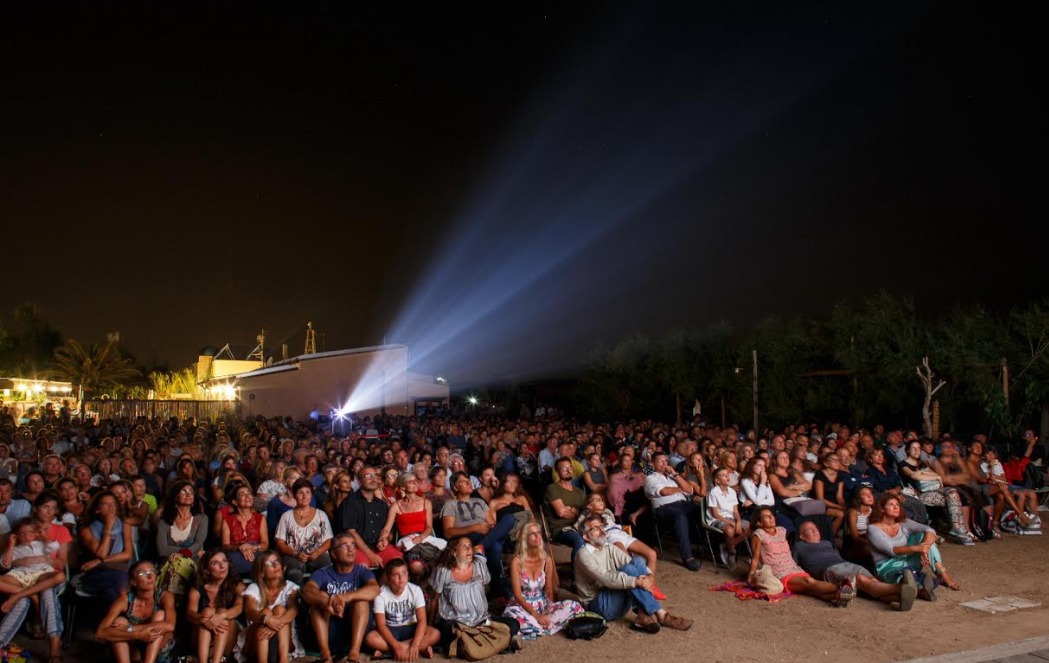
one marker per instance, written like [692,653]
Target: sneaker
[908,591]
[676,623]
[692,564]
[646,623]
[723,554]
[730,562]
[844,597]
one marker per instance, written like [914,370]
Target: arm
[857,537]
[197,544]
[755,560]
[591,566]
[107,632]
[391,518]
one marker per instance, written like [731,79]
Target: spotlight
[472,400]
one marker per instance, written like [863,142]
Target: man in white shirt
[671,498]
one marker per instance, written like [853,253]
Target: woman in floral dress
[534,585]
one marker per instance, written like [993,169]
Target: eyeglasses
[270,563]
[186,491]
[147,573]
[369,475]
[595,528]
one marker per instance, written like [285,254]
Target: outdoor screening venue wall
[371,379]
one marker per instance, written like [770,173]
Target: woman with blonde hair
[533,580]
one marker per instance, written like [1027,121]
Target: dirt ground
[802,628]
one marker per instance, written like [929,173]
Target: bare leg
[319,622]
[121,650]
[204,637]
[651,559]
[375,642]
[876,589]
[358,625]
[153,648]
[824,591]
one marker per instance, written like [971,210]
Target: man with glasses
[611,582]
[339,597]
[363,515]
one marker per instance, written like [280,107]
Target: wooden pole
[1005,381]
[754,354]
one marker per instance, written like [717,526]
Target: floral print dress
[534,592]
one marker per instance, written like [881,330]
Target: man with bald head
[822,561]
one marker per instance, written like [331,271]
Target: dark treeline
[858,365]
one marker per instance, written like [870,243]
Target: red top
[239,534]
[411,523]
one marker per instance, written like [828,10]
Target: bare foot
[428,653]
[948,581]
[7,605]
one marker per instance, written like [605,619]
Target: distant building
[358,381]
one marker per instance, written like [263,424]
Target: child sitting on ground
[400,618]
[31,569]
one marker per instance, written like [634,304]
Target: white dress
[255,592]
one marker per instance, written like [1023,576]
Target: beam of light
[581,166]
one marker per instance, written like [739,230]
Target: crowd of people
[264,539]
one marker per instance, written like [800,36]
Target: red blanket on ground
[744,592]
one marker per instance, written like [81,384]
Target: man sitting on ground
[822,561]
[611,582]
[340,598]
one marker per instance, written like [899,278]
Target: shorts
[403,633]
[340,633]
[839,572]
[619,536]
[786,579]
[721,524]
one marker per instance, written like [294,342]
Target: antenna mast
[311,340]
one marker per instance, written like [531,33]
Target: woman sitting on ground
[770,547]
[213,605]
[271,604]
[140,624]
[901,546]
[459,582]
[534,582]
[829,486]
[929,488]
[244,532]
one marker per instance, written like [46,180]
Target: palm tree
[94,367]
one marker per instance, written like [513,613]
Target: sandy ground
[802,628]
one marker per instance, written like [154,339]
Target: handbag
[929,485]
[807,507]
[585,626]
[476,643]
[766,582]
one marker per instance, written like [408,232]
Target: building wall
[370,380]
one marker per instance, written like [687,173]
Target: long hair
[227,592]
[171,501]
[259,566]
[522,542]
[447,558]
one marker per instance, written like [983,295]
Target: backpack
[476,643]
[585,626]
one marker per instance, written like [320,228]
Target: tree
[93,367]
[926,375]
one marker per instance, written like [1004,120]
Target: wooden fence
[152,409]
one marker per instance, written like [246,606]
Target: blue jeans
[614,603]
[493,543]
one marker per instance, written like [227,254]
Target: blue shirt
[17,509]
[331,582]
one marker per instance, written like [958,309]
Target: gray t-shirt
[466,513]
[881,544]
[462,602]
[817,557]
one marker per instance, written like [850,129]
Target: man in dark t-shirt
[822,561]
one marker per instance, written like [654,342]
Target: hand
[302,557]
[380,545]
[925,560]
[374,559]
[265,633]
[645,583]
[482,528]
[417,539]
[337,605]
[86,566]
[401,652]
[249,554]
[543,621]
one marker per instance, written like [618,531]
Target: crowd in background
[266,539]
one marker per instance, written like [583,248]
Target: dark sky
[187,178]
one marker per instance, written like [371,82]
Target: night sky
[572,171]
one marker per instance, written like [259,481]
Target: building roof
[292,363]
